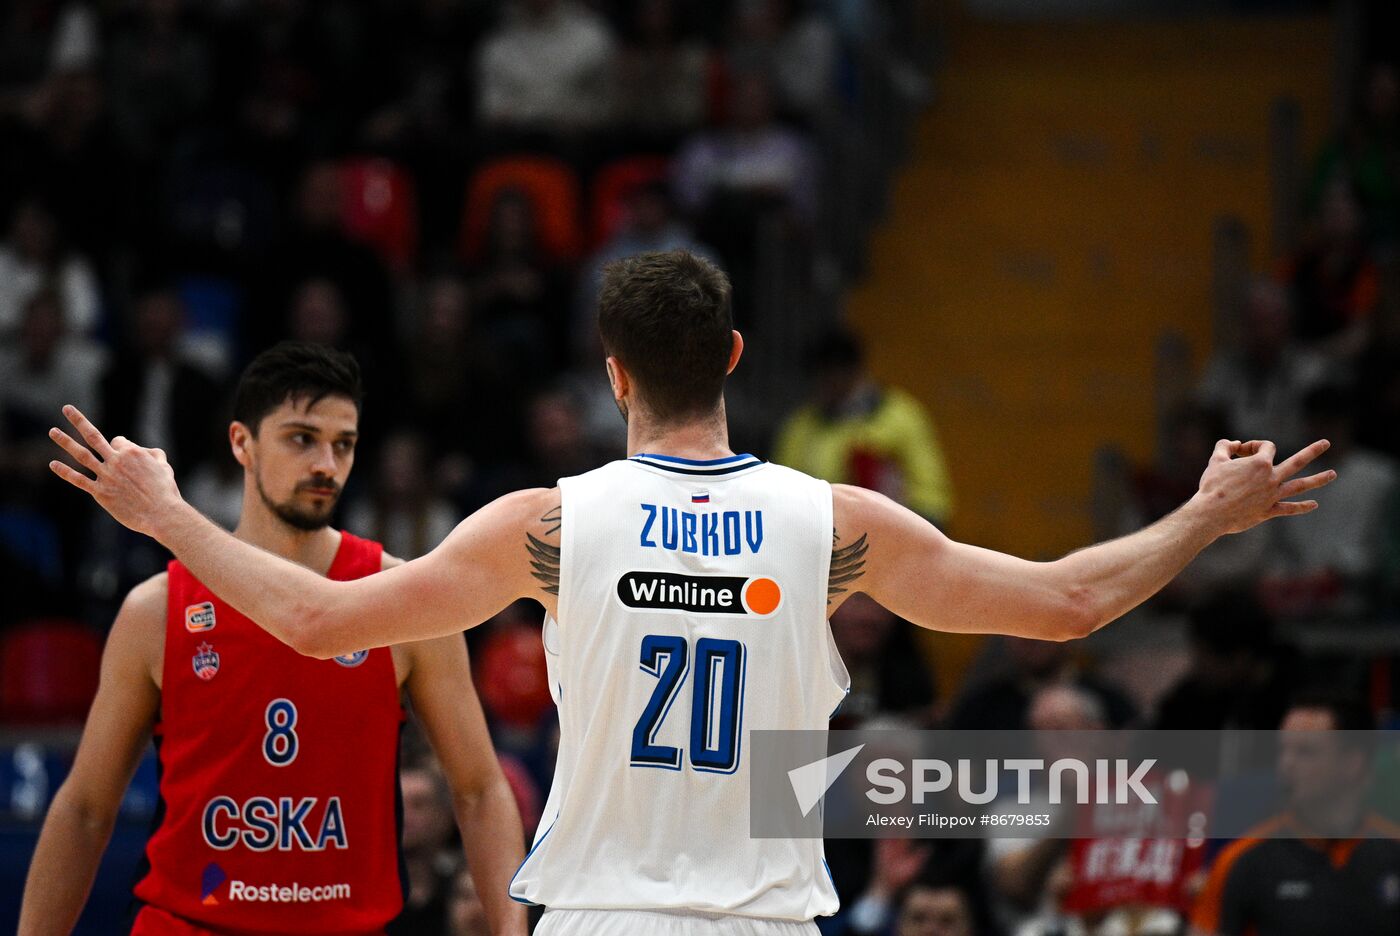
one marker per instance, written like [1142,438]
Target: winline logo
[699,594]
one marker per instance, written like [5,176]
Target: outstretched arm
[480,568]
[914,570]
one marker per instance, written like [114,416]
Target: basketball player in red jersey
[278,772]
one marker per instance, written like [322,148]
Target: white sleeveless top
[692,610]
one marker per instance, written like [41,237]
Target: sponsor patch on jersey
[199,617]
[757,596]
[205,662]
[353,659]
[213,878]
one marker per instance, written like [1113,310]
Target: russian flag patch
[700,497]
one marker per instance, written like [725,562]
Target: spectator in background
[1332,563]
[67,150]
[158,77]
[153,393]
[317,314]
[660,78]
[1260,384]
[888,674]
[1191,433]
[427,829]
[287,75]
[318,248]
[1004,702]
[799,50]
[320,314]
[33,257]
[1368,151]
[43,369]
[216,490]
[1030,877]
[403,511]
[465,914]
[1328,860]
[546,67]
[753,158]
[519,298]
[39,373]
[651,224]
[857,431]
[934,910]
[1378,372]
[420,81]
[557,445]
[1230,563]
[1238,677]
[918,889]
[454,372]
[1334,277]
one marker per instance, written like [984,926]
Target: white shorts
[665,923]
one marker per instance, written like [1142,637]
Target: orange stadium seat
[381,210]
[552,187]
[615,183]
[48,672]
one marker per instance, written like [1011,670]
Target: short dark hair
[1350,715]
[668,318]
[1349,712]
[293,370]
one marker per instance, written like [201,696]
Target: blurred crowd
[1313,353]
[435,185]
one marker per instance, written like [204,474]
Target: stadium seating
[48,672]
[552,187]
[381,210]
[614,184]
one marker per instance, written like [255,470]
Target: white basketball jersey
[692,610]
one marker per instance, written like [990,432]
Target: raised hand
[897,863]
[133,484]
[1242,487]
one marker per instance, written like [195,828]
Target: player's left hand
[135,485]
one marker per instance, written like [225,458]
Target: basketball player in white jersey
[687,592]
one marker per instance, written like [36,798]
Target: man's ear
[618,378]
[240,437]
[736,351]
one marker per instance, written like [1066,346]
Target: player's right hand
[135,485]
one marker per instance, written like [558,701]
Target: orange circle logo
[762,596]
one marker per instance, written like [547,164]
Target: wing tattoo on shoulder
[847,565]
[544,557]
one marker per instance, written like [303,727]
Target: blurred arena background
[1015,263]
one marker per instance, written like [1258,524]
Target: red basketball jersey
[278,776]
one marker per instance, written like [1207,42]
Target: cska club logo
[199,617]
[205,662]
